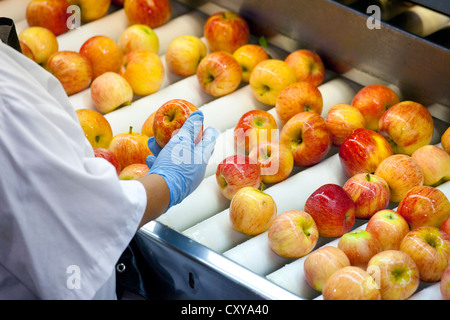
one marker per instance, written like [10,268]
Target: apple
[269,78]
[445,140]
[253,128]
[226,31]
[219,74]
[369,192]
[248,56]
[342,119]
[372,101]
[430,249]
[109,156]
[435,164]
[389,227]
[134,171]
[363,151]
[152,13]
[320,264]
[103,53]
[252,211]
[235,172]
[275,160]
[307,65]
[50,14]
[138,37]
[351,283]
[424,206]
[147,126]
[169,118]
[130,147]
[26,51]
[307,136]
[397,274]
[401,173]
[298,97]
[95,127]
[144,71]
[91,9]
[183,55]
[110,91]
[293,234]
[407,126]
[72,69]
[332,209]
[359,246]
[444,286]
[41,41]
[445,226]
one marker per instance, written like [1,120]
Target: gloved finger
[210,135]
[150,160]
[153,146]
[192,125]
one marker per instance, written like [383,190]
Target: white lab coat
[65,217]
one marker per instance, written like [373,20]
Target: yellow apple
[184,53]
[435,164]
[307,65]
[96,127]
[342,119]
[110,91]
[41,41]
[138,37]
[144,71]
[248,56]
[445,140]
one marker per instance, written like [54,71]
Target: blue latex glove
[181,163]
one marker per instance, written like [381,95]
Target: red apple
[253,128]
[307,136]
[424,206]
[236,172]
[351,283]
[359,246]
[147,126]
[72,69]
[435,164]
[445,226]
[226,31]
[41,41]
[103,53]
[110,91]
[109,156]
[153,13]
[389,227]
[269,78]
[252,211]
[321,264]
[134,171]
[444,286]
[401,173]
[445,140]
[293,234]
[369,192]
[430,249]
[396,273]
[342,119]
[275,160]
[130,147]
[50,14]
[184,54]
[407,126]
[363,151]
[92,9]
[219,74]
[95,127]
[248,56]
[332,209]
[308,66]
[372,101]
[298,97]
[169,118]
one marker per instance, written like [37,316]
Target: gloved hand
[182,163]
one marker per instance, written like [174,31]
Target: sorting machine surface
[191,252]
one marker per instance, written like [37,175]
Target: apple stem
[262,186]
[131,130]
